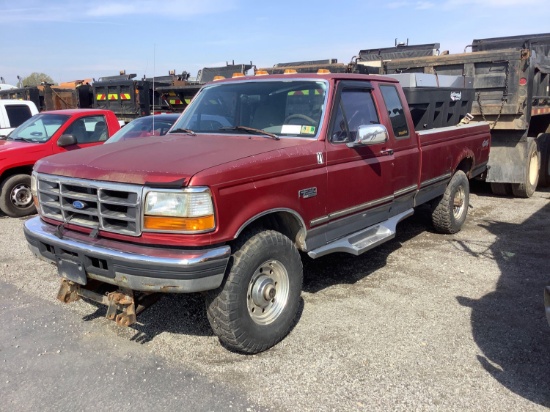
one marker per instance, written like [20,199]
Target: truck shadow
[174,313]
[180,314]
[509,324]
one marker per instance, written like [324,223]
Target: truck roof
[325,76]
[71,112]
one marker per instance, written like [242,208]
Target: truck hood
[9,146]
[168,160]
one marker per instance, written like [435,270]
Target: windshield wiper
[181,130]
[251,130]
[21,139]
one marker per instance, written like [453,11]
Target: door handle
[387,152]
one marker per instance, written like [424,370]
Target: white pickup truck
[13,113]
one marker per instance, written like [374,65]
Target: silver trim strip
[405,190]
[435,180]
[319,220]
[350,210]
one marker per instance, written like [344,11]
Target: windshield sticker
[291,128]
[308,130]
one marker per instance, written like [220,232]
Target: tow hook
[122,301]
[122,305]
[68,291]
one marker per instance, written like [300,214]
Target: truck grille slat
[113,207]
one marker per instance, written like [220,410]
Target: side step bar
[366,239]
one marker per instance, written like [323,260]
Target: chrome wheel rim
[459,202]
[533,169]
[21,196]
[268,292]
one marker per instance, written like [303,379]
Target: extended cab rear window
[395,111]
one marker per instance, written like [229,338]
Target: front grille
[113,207]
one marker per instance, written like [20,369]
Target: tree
[35,79]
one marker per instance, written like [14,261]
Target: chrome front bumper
[80,257]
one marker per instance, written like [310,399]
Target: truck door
[88,131]
[406,162]
[360,190]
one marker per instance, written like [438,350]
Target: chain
[504,98]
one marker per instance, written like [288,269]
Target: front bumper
[80,257]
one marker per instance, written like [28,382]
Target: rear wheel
[16,196]
[531,175]
[449,214]
[256,305]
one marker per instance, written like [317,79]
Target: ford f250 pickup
[42,135]
[255,171]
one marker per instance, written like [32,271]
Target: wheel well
[465,165]
[16,171]
[539,124]
[284,222]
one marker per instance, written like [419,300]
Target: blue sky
[70,40]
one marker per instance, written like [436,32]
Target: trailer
[75,94]
[129,97]
[511,85]
[176,96]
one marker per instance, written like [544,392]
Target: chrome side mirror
[369,135]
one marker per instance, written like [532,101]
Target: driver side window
[356,108]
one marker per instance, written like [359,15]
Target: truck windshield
[39,128]
[282,107]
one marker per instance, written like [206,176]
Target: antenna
[154,67]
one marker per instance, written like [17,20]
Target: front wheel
[449,214]
[16,196]
[256,305]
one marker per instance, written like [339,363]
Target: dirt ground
[423,322]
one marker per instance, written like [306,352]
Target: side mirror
[66,140]
[369,135]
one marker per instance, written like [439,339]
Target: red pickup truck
[43,135]
[256,170]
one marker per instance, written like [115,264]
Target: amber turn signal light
[179,224]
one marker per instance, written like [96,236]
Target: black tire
[450,212]
[244,311]
[544,150]
[15,196]
[501,189]
[531,175]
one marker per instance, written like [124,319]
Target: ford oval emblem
[77,204]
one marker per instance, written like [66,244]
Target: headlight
[190,211]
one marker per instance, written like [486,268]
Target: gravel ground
[424,322]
